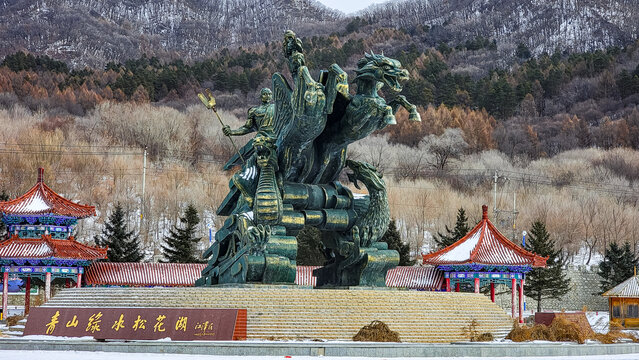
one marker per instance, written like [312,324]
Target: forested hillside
[537,107]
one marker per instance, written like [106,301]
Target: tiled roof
[40,199]
[485,245]
[46,247]
[143,274]
[304,275]
[415,277]
[412,277]
[167,274]
[628,288]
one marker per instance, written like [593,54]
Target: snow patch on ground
[79,355]
[598,320]
[581,258]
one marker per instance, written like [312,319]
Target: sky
[349,6]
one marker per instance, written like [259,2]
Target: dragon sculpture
[348,260]
[290,180]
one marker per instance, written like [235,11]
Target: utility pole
[143,205]
[515,212]
[143,187]
[495,194]
[507,213]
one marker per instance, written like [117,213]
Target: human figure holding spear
[259,119]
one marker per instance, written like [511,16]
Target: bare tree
[444,148]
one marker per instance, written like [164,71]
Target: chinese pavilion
[485,256]
[623,302]
[40,242]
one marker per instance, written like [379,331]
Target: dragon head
[383,70]
[367,174]
[264,146]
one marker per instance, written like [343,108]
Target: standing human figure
[260,118]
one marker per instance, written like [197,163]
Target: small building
[623,302]
[485,256]
[40,244]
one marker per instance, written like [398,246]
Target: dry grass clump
[530,333]
[566,330]
[472,332]
[484,337]
[562,329]
[559,330]
[615,325]
[13,320]
[614,337]
[377,331]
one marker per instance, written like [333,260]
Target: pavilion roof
[628,288]
[484,245]
[40,200]
[47,247]
[143,274]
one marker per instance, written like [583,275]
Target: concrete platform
[268,348]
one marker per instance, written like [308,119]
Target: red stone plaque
[138,323]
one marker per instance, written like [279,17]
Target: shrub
[377,331]
[13,320]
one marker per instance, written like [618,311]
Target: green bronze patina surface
[289,178]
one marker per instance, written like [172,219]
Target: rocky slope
[574,25]
[92,32]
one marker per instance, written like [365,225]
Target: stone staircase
[17,329]
[302,313]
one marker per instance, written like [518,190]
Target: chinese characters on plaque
[139,323]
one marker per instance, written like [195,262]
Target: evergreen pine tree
[451,236]
[617,266]
[310,251]
[123,245]
[394,241]
[549,282]
[180,244]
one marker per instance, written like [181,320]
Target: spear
[209,101]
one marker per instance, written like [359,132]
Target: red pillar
[457,287]
[448,284]
[79,283]
[47,287]
[521,301]
[5,293]
[492,291]
[513,288]
[27,296]
[476,285]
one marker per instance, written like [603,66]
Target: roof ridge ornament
[484,210]
[40,175]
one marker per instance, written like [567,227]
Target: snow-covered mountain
[92,32]
[542,25]
[95,31]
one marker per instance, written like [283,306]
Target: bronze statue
[260,118]
[290,178]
